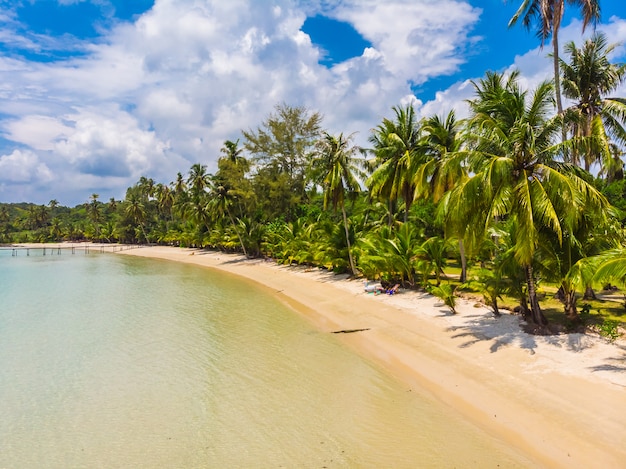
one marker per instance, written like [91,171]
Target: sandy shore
[559,400]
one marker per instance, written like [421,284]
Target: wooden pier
[73,248]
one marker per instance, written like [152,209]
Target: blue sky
[96,93]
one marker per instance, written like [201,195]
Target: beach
[559,400]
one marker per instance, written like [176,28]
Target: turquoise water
[116,362]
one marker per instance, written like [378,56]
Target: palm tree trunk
[232,220]
[569,302]
[535,311]
[345,227]
[557,73]
[144,233]
[589,293]
[557,83]
[463,277]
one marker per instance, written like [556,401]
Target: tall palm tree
[587,79]
[441,170]
[232,151]
[232,169]
[146,188]
[335,167]
[165,199]
[180,185]
[396,146]
[220,201]
[93,210]
[549,14]
[112,204]
[513,173]
[136,210]
[440,138]
[198,179]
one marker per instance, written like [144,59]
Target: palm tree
[335,168]
[440,172]
[514,174]
[112,204]
[165,199]
[440,138]
[396,146]
[56,229]
[394,253]
[195,206]
[610,265]
[232,169]
[587,79]
[220,202]
[549,13]
[180,185]
[93,210]
[135,209]
[232,152]
[146,188]
[198,179]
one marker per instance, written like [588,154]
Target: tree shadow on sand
[615,364]
[507,330]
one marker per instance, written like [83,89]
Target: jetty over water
[68,248]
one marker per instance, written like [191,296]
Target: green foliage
[609,329]
[281,149]
[493,186]
[445,292]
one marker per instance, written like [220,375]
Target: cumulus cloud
[153,96]
[428,40]
[23,167]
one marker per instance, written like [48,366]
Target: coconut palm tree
[232,151]
[440,171]
[136,210]
[335,167]
[220,201]
[514,175]
[587,79]
[396,146]
[549,14]
[93,210]
[610,265]
[165,199]
[198,180]
[180,185]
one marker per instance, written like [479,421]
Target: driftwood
[349,331]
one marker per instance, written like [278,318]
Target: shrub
[609,329]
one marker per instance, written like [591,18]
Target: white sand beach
[560,400]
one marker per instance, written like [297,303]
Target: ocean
[110,361]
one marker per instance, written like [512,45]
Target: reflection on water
[109,361]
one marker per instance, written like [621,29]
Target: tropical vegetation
[518,200]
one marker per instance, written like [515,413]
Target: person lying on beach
[373,287]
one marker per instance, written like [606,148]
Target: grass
[604,310]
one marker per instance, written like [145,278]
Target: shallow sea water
[117,362]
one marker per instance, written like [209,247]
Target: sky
[95,94]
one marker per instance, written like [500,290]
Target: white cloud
[428,40]
[154,96]
[23,166]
